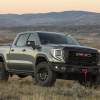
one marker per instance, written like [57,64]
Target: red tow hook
[85,71]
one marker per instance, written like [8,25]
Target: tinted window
[22,40]
[49,38]
[33,37]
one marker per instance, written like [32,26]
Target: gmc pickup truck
[48,56]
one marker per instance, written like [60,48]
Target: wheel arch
[41,58]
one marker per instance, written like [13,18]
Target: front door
[20,57]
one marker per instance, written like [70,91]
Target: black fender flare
[41,55]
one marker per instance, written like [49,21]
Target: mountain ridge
[52,18]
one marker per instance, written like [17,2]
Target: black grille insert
[81,58]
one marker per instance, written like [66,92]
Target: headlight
[57,53]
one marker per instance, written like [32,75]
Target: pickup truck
[48,56]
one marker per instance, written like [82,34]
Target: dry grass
[24,89]
[92,41]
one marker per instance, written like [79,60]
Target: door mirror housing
[31,44]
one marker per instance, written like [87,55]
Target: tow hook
[85,72]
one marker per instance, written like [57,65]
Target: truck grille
[80,57]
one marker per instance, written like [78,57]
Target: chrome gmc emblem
[83,55]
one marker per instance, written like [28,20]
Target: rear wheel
[44,76]
[4,75]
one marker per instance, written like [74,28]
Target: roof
[41,32]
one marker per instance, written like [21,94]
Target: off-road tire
[43,75]
[4,75]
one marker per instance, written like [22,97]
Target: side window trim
[17,40]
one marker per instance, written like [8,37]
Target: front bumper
[64,68]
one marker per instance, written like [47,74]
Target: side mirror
[31,44]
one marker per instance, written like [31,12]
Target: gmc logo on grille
[83,55]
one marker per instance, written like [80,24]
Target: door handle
[12,50]
[24,50]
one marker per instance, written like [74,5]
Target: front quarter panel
[46,52]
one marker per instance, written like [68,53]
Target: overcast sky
[36,6]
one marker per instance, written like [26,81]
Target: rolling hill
[53,18]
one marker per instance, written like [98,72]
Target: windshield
[49,38]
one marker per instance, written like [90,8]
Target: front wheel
[43,75]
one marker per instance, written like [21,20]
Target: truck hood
[73,47]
